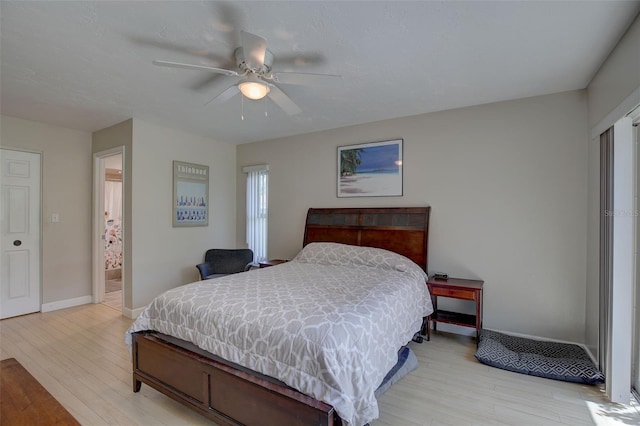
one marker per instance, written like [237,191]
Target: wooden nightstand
[271,262]
[455,288]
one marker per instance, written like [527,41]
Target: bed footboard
[220,392]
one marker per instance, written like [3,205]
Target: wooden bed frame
[232,395]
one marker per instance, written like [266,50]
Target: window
[257,210]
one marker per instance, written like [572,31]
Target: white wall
[162,256]
[507,186]
[66,190]
[611,93]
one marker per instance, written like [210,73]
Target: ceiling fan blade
[283,101]
[179,48]
[230,20]
[207,81]
[300,60]
[195,67]
[305,79]
[254,48]
[224,96]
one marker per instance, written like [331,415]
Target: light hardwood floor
[113,299]
[79,356]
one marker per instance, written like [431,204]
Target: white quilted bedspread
[329,323]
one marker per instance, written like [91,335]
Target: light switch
[55,218]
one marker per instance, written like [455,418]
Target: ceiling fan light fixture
[253,89]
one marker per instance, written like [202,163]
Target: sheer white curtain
[113,200]
[257,210]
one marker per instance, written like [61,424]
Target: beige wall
[618,77]
[66,190]
[160,257]
[613,91]
[163,256]
[507,186]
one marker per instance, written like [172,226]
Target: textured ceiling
[87,65]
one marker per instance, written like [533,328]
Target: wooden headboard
[404,230]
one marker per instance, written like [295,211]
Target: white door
[20,228]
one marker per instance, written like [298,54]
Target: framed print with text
[190,194]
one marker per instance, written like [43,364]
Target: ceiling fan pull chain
[241,107]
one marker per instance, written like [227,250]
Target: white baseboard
[528,336]
[456,329]
[132,313]
[68,303]
[468,331]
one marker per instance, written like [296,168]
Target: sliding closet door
[621,283]
[635,378]
[606,245]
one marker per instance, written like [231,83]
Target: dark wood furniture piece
[404,230]
[455,288]
[271,262]
[25,401]
[232,395]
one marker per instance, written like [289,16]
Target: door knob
[17,243]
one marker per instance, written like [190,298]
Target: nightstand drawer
[451,292]
[456,288]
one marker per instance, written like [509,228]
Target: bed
[112,245]
[331,356]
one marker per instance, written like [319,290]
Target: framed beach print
[370,169]
[190,194]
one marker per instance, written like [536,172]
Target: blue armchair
[221,262]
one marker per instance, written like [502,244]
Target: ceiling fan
[256,76]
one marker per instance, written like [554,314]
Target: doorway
[113,231]
[20,196]
[109,228]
